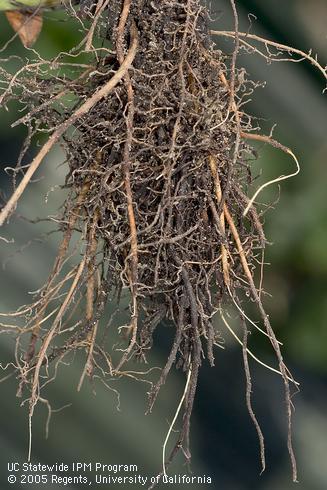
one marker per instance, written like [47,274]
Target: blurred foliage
[224,441]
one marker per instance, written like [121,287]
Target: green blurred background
[224,442]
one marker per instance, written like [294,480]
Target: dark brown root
[159,168]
